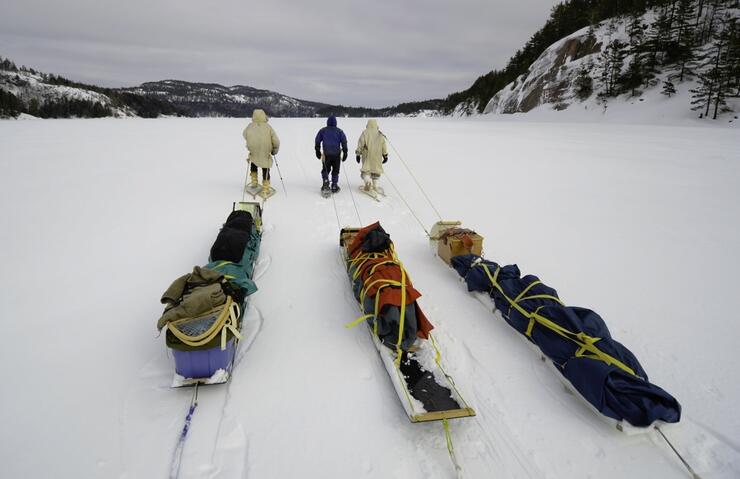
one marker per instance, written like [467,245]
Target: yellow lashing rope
[226,321]
[451,447]
[586,342]
[402,316]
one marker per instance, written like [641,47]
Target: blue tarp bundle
[577,341]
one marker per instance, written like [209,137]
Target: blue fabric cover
[332,137]
[611,390]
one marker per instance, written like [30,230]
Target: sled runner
[574,342]
[204,309]
[400,331]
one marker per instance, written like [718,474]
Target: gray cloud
[336,51]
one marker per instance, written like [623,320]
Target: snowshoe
[325,191]
[266,193]
[335,189]
[371,193]
[253,190]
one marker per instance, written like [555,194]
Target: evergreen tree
[724,64]
[611,63]
[668,88]
[636,29]
[680,48]
[732,61]
[717,74]
[633,77]
[10,105]
[33,107]
[714,12]
[584,84]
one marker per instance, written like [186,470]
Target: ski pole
[246,178]
[280,175]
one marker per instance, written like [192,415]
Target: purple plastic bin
[203,363]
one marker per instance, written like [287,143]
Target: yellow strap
[437,354]
[524,291]
[543,296]
[231,326]
[382,281]
[375,266]
[358,321]
[360,260]
[402,317]
[586,342]
[530,327]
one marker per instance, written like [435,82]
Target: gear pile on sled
[204,309]
[575,340]
[399,328]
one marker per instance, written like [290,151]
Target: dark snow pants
[265,171]
[331,166]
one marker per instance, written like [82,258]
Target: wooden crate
[454,244]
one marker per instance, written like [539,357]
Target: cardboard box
[456,242]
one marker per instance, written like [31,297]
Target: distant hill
[25,90]
[211,99]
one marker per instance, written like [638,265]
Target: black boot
[325,186]
[335,188]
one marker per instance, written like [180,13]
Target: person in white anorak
[372,153]
[262,143]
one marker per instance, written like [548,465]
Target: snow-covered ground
[638,222]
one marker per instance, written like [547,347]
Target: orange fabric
[389,295]
[358,239]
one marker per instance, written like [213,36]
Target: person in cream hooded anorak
[262,143]
[371,153]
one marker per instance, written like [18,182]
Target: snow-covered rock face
[37,86]
[550,79]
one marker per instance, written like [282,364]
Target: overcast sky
[371,53]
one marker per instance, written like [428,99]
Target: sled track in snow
[254,326]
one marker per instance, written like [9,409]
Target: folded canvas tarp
[203,308]
[576,340]
[377,278]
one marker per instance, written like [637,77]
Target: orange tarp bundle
[385,266]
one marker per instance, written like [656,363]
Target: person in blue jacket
[334,144]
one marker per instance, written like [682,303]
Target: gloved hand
[357,157]
[318,154]
[385,159]
[344,155]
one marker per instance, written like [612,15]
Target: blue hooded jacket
[332,137]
